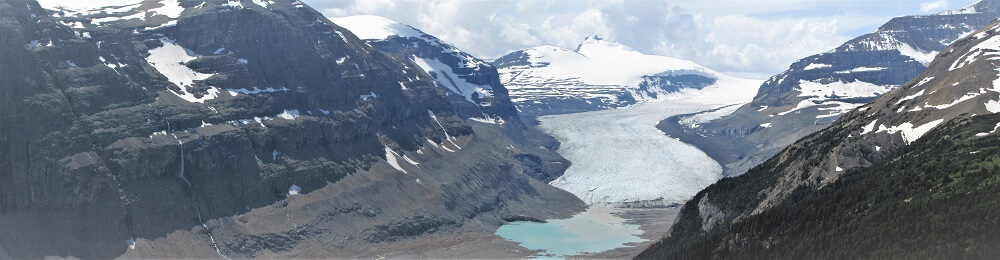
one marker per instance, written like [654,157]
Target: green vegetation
[936,198]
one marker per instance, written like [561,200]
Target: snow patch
[255,90]
[263,3]
[817,66]
[993,106]
[959,100]
[990,132]
[33,44]
[170,8]
[390,157]
[234,4]
[410,161]
[446,135]
[289,114]
[921,93]
[294,190]
[868,128]
[917,55]
[705,117]
[488,120]
[445,75]
[819,94]
[909,132]
[861,69]
[169,61]
[369,96]
[988,47]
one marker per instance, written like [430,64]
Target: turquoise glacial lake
[593,231]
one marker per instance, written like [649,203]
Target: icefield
[620,156]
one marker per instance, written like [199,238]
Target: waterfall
[180,173]
[194,199]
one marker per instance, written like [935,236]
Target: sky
[744,38]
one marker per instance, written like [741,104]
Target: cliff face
[236,129]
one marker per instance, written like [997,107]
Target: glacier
[619,156]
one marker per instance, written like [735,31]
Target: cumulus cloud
[727,41]
[930,6]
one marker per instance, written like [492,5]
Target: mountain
[472,85]
[818,89]
[598,75]
[462,76]
[240,129]
[910,175]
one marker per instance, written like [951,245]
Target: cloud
[753,42]
[933,6]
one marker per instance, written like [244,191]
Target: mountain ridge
[816,90]
[207,129]
[931,140]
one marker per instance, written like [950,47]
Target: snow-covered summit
[372,27]
[599,74]
[80,5]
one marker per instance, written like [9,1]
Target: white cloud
[933,6]
[726,35]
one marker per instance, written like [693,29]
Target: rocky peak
[146,127]
[459,74]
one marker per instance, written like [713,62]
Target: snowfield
[620,156]
[371,27]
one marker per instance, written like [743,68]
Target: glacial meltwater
[592,231]
[619,156]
